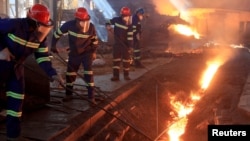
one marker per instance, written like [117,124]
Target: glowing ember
[184,108]
[186,30]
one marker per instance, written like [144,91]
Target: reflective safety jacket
[122,32]
[21,42]
[79,42]
[137,29]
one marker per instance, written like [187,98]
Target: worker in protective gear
[123,41]
[83,43]
[137,29]
[22,37]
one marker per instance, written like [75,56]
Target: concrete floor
[59,120]
[67,121]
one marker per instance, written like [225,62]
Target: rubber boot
[126,75]
[138,64]
[69,92]
[115,75]
[91,96]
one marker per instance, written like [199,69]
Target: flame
[182,109]
[195,97]
[209,73]
[177,128]
[186,30]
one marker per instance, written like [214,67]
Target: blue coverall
[21,42]
[82,46]
[136,44]
[123,37]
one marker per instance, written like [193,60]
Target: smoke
[164,7]
[231,4]
[181,5]
[171,7]
[216,20]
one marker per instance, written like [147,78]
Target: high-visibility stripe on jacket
[137,28]
[79,42]
[21,42]
[122,33]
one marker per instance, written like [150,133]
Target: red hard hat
[125,11]
[40,13]
[82,14]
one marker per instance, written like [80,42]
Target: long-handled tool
[105,110]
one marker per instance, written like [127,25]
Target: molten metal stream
[183,109]
[177,127]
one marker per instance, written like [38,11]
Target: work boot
[92,102]
[139,65]
[115,75]
[126,77]
[100,98]
[115,78]
[69,90]
[67,98]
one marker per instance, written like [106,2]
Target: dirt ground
[148,110]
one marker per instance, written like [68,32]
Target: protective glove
[130,50]
[108,27]
[138,36]
[93,56]
[54,49]
[57,80]
[5,54]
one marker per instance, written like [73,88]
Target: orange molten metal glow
[182,109]
[208,74]
[177,128]
[186,30]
